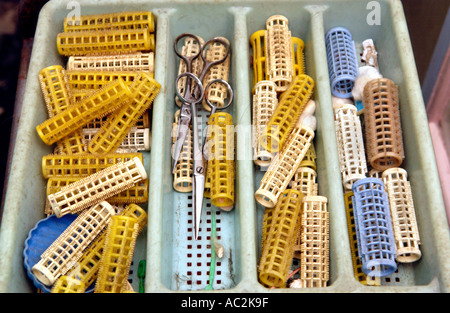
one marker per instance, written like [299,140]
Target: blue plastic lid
[44,233]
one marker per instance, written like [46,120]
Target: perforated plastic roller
[357,266]
[283,166]
[85,272]
[351,152]
[279,62]
[383,132]
[403,215]
[58,97]
[97,187]
[68,248]
[257,41]
[82,80]
[105,42]
[286,114]
[221,160]
[117,254]
[342,62]
[133,62]
[111,21]
[265,101]
[182,174]
[109,137]
[376,244]
[314,242]
[100,103]
[278,248]
[81,165]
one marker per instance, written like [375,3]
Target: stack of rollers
[381,217]
[219,184]
[98,123]
[295,227]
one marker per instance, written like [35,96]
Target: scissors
[188,112]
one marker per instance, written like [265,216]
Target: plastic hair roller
[304,180]
[221,160]
[376,244]
[91,80]
[276,257]
[100,103]
[283,166]
[342,61]
[357,266]
[406,232]
[314,242]
[298,56]
[133,62]
[119,123]
[135,140]
[267,221]
[86,270]
[111,21]
[135,194]
[383,132]
[97,187]
[310,158]
[117,254]
[279,67]
[289,108]
[81,165]
[66,284]
[190,48]
[258,43]
[217,92]
[182,175]
[264,103]
[143,122]
[65,251]
[57,96]
[105,42]
[54,87]
[352,157]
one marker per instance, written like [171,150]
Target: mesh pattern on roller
[289,108]
[376,244]
[403,215]
[284,166]
[342,62]
[97,187]
[68,248]
[352,157]
[221,160]
[182,175]
[278,249]
[279,67]
[264,103]
[383,133]
[101,42]
[314,242]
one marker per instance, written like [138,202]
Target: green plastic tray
[166,245]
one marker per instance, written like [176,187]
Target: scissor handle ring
[230,91]
[210,41]
[199,85]
[175,45]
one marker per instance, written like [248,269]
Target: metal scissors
[188,112]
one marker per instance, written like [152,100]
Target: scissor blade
[182,130]
[198,189]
